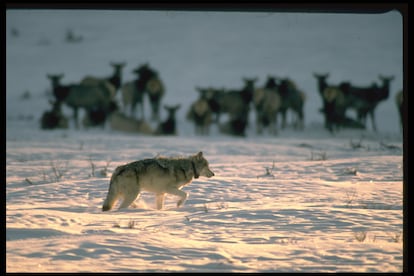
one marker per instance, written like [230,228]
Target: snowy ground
[299,202]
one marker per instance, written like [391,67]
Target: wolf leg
[128,186]
[159,201]
[109,201]
[111,198]
[183,196]
[128,199]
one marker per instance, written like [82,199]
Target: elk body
[293,99]
[366,99]
[147,82]
[121,122]
[169,126]
[235,103]
[54,118]
[115,79]
[201,115]
[335,104]
[267,102]
[87,96]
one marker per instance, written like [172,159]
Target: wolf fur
[161,175]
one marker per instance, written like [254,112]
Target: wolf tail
[110,198]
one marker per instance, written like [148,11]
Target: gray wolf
[160,175]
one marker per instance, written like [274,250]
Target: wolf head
[200,166]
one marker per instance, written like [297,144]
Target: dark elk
[54,118]
[235,103]
[86,96]
[335,110]
[335,104]
[169,126]
[98,115]
[148,82]
[212,95]
[322,84]
[117,120]
[364,100]
[292,99]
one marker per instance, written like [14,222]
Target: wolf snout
[210,174]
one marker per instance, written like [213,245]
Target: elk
[335,104]
[236,125]
[117,120]
[132,97]
[54,118]
[211,95]
[148,82]
[155,90]
[292,98]
[233,102]
[267,102]
[236,102]
[322,84]
[200,113]
[365,99]
[335,108]
[121,122]
[337,99]
[169,126]
[98,115]
[87,96]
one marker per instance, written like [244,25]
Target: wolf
[160,175]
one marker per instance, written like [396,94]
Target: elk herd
[338,98]
[229,109]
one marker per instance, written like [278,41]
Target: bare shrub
[269,171]
[350,197]
[92,167]
[396,237]
[132,224]
[360,235]
[103,172]
[58,170]
[356,145]
[318,156]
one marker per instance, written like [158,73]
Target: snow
[303,201]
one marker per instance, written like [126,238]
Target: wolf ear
[199,155]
